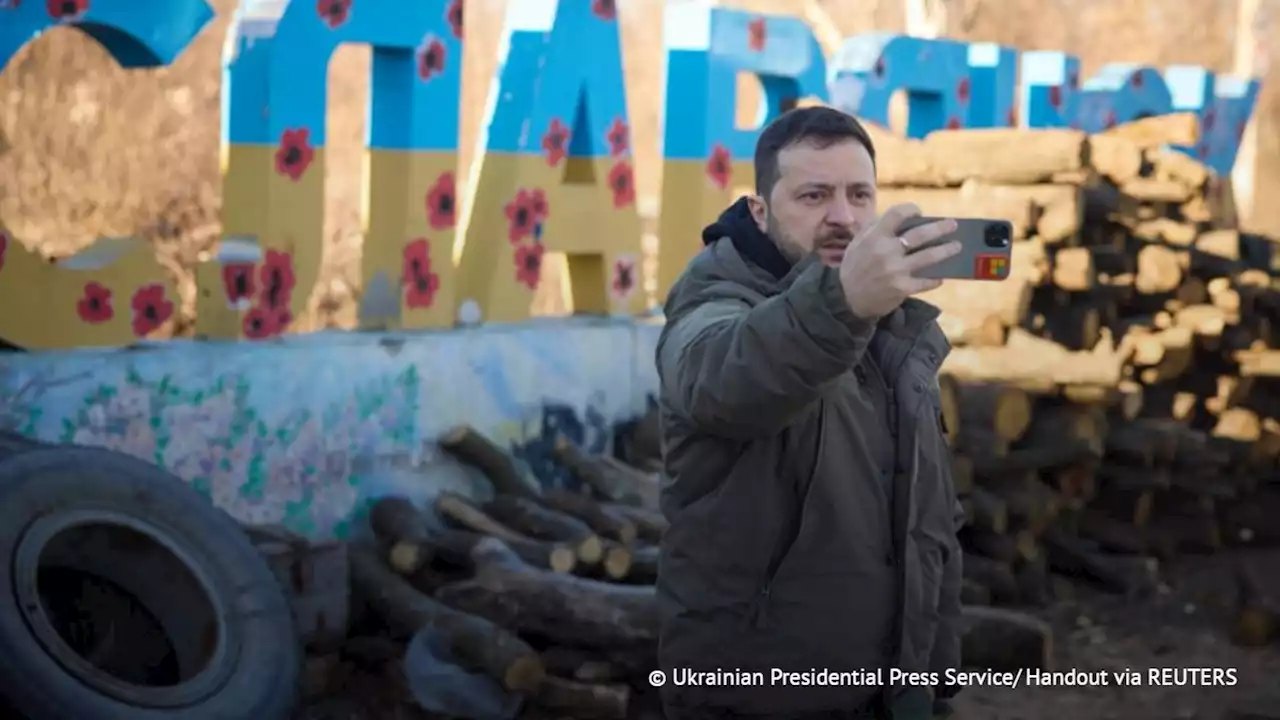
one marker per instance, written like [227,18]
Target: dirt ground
[1185,627]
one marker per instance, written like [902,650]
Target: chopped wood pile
[549,594]
[1116,401]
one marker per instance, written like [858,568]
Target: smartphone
[986,249]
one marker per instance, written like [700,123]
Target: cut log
[650,524]
[642,442]
[1000,409]
[606,477]
[458,510]
[601,520]
[401,528]
[989,511]
[1257,617]
[1009,549]
[1036,364]
[1120,574]
[534,520]
[994,575]
[983,155]
[1004,640]
[587,701]
[580,664]
[1032,505]
[1035,582]
[565,609]
[644,565]
[473,448]
[1159,131]
[1110,534]
[1116,157]
[478,642]
[1179,167]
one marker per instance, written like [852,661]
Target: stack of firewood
[1116,400]
[549,592]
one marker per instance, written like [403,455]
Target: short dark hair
[820,125]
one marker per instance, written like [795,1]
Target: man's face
[823,198]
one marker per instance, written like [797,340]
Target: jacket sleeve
[946,646]
[742,372]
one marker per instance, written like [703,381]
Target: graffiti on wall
[556,173]
[310,441]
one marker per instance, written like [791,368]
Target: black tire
[180,563]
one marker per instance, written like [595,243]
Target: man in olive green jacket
[813,518]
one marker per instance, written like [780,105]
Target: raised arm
[743,372]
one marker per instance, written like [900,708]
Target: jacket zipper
[795,527]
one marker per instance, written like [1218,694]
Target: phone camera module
[997,235]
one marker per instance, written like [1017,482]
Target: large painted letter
[113,292]
[274,137]
[934,73]
[1121,93]
[706,160]
[993,86]
[555,171]
[1050,88]
[1223,104]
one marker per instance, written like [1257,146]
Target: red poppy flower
[538,205]
[520,216]
[430,56]
[65,9]
[556,142]
[1055,96]
[151,309]
[454,16]
[605,9]
[962,91]
[94,305]
[295,153]
[619,137]
[756,34]
[237,280]
[953,123]
[277,279]
[4,246]
[624,276]
[281,317]
[621,184]
[720,166]
[420,284]
[529,265]
[442,208]
[334,12]
[259,323]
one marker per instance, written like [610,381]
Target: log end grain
[525,675]
[406,557]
